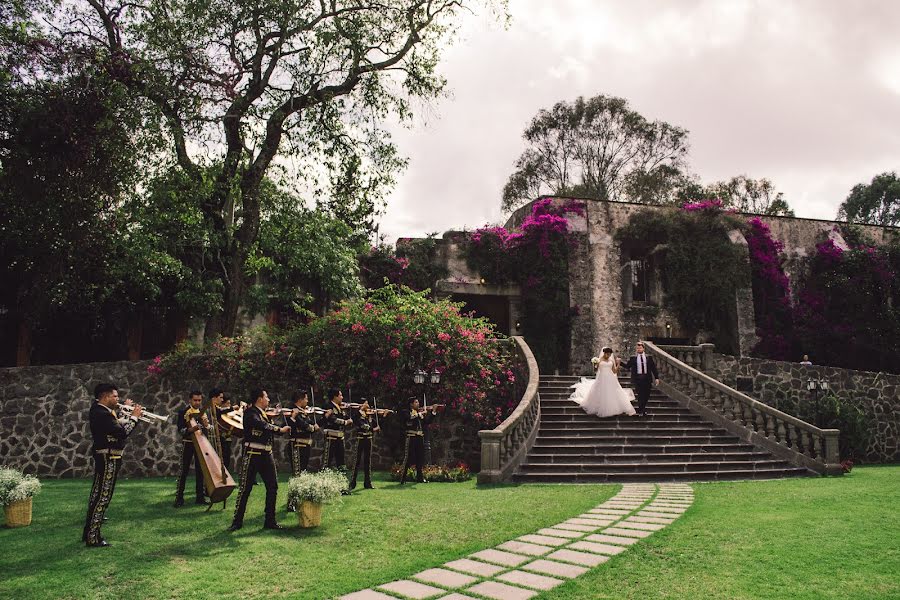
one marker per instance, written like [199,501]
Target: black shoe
[272,526]
[234,527]
[202,502]
[345,492]
[369,486]
[178,503]
[105,518]
[421,481]
[101,544]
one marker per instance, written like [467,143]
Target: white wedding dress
[603,396]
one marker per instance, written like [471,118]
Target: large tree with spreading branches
[300,88]
[597,147]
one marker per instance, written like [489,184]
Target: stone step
[566,401]
[555,415]
[583,449]
[657,467]
[647,457]
[599,438]
[548,429]
[545,477]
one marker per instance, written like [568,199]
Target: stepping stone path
[524,567]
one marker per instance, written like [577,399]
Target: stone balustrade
[780,433]
[504,447]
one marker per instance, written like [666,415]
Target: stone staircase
[670,444]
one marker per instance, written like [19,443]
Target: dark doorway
[494,308]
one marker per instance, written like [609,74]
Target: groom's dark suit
[642,382]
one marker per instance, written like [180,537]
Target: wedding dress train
[603,396]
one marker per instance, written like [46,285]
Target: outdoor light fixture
[435,377]
[419,376]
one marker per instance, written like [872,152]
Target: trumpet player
[188,455]
[109,434]
[302,426]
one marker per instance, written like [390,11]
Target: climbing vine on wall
[536,257]
[701,267]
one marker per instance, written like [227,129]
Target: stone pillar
[832,452]
[744,317]
[490,456]
[706,357]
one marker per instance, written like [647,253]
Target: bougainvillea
[371,347]
[771,293]
[536,257]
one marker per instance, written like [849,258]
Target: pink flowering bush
[371,346]
[771,293]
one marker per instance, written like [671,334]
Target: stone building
[616,292]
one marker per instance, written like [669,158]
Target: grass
[795,538]
[798,538]
[373,537]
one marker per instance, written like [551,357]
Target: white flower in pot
[309,491]
[16,492]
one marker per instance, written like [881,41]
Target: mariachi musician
[188,454]
[109,434]
[258,437]
[303,425]
[416,422]
[366,421]
[223,431]
[334,421]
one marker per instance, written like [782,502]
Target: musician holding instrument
[366,421]
[188,455]
[220,406]
[417,420]
[303,425]
[109,434]
[258,437]
[334,421]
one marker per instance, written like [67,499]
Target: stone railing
[699,357]
[504,447]
[781,434]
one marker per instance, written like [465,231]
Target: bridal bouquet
[595,361]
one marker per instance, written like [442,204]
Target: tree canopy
[239,85]
[876,203]
[597,147]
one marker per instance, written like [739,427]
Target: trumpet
[146,416]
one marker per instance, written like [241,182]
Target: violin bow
[375,402]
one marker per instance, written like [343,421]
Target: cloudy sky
[803,92]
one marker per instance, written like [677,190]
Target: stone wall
[44,429]
[775,382]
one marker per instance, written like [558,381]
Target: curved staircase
[672,443]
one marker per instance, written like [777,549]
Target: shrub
[439,473]
[323,487]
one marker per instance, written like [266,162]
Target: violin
[381,412]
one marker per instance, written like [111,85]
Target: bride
[603,396]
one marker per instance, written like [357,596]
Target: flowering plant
[323,487]
[15,487]
[458,472]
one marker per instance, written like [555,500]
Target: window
[638,281]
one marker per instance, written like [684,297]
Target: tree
[877,203]
[743,194]
[239,83]
[597,147]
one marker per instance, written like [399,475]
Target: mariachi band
[205,444]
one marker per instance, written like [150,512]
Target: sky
[803,92]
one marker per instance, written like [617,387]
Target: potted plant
[16,492]
[310,491]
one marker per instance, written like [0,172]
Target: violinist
[334,421]
[302,426]
[416,422]
[258,436]
[366,421]
[191,411]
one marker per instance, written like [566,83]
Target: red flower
[395,354]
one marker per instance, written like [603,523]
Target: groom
[642,367]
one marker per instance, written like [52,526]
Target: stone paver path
[524,567]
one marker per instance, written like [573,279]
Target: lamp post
[815,385]
[419,377]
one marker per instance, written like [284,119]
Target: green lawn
[795,538]
[801,538]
